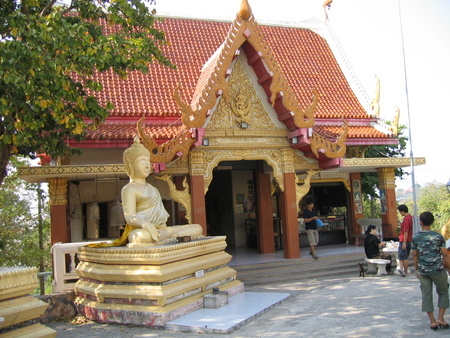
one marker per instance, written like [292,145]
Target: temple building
[254,121]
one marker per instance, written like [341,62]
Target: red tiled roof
[303,56]
[358,132]
[160,131]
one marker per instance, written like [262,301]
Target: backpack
[416,227]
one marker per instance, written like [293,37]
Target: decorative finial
[136,139]
[327,3]
[245,12]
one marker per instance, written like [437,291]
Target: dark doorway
[219,206]
[329,197]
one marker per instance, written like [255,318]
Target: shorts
[313,236]
[404,254]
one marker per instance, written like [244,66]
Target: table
[394,252]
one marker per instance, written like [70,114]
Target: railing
[65,260]
[42,276]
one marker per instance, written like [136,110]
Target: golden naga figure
[302,190]
[180,196]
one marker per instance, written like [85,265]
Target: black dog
[361,269]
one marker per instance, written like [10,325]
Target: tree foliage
[19,222]
[434,197]
[49,52]
[369,180]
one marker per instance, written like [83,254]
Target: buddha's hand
[161,226]
[152,230]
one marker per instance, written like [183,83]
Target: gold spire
[245,12]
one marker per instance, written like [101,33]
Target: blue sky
[370,34]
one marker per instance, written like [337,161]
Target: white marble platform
[240,309]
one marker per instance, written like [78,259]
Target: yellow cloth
[123,240]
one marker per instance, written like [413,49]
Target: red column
[198,201]
[59,227]
[266,239]
[288,210]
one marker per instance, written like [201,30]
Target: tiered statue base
[17,306]
[152,285]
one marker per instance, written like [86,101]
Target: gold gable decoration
[243,29]
[244,106]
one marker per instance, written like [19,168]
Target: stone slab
[240,309]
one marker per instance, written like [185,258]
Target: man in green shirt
[429,251]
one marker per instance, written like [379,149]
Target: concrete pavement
[387,306]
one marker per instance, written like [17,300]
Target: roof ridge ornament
[177,146]
[328,148]
[375,104]
[245,12]
[394,123]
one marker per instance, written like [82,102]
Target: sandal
[443,325]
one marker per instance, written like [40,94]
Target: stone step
[296,269]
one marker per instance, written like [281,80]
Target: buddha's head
[132,154]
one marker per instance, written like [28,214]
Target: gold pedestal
[152,285]
[17,306]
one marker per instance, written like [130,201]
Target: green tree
[434,197]
[369,180]
[48,54]
[19,222]
[371,207]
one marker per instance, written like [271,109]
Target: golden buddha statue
[144,211]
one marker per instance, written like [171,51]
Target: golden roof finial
[245,12]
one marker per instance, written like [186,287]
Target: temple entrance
[230,201]
[232,206]
[219,207]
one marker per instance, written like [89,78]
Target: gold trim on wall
[396,162]
[72,169]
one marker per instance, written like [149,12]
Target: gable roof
[304,64]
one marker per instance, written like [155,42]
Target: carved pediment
[244,105]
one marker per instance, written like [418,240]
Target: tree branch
[47,8]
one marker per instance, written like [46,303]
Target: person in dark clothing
[310,216]
[372,246]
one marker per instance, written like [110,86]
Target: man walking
[404,239]
[310,217]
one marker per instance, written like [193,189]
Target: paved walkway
[387,306]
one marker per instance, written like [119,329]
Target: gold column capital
[287,158]
[386,178]
[57,188]
[197,163]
